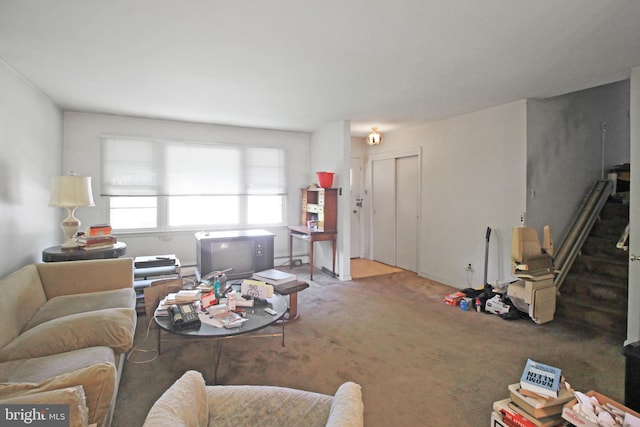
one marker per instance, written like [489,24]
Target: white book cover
[274,277]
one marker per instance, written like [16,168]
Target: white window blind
[188,182]
[138,167]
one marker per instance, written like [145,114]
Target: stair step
[601,266]
[588,286]
[604,248]
[608,317]
[615,210]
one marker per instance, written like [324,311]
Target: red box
[454,298]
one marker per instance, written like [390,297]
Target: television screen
[237,255]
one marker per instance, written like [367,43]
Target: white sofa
[189,402]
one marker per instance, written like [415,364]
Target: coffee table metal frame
[257,319]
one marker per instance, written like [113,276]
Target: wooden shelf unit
[321,205]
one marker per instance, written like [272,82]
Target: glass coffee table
[257,319]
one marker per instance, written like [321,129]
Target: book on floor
[538,406]
[541,379]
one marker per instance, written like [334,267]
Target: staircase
[594,292]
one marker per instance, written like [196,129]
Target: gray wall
[30,153]
[564,146]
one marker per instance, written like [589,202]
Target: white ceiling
[299,65]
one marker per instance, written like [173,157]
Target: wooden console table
[312,236]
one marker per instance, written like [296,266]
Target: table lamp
[71,192]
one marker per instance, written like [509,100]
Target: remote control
[271,311]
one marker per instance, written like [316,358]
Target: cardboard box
[454,298]
[577,420]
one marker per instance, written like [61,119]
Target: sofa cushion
[73,397]
[22,296]
[85,276]
[114,328]
[347,409]
[81,303]
[98,381]
[38,369]
[170,409]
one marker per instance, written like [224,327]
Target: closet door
[395,211]
[383,200]
[407,213]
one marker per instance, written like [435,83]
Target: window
[162,185]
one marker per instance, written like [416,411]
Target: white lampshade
[71,191]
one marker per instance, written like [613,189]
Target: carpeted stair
[594,292]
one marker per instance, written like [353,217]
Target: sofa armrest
[73,397]
[184,403]
[77,277]
[347,409]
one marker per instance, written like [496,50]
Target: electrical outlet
[522,218]
[297,262]
[469,267]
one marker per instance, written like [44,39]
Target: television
[244,251]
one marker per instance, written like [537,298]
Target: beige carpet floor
[361,268]
[419,361]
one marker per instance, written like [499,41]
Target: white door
[407,179]
[356,207]
[633,317]
[383,211]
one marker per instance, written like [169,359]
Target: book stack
[274,277]
[184,296]
[537,400]
[97,242]
[100,230]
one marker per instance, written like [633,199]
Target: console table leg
[311,258]
[290,251]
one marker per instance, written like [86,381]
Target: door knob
[634,257]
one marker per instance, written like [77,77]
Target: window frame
[162,200]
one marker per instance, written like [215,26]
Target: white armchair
[189,402]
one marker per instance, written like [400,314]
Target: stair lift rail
[580,228]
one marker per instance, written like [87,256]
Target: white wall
[473,177]
[82,133]
[633,317]
[30,154]
[331,152]
[564,151]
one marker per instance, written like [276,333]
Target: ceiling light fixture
[374,138]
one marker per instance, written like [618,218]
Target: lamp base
[70,226]
[69,244]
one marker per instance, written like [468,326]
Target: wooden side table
[56,253]
[312,236]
